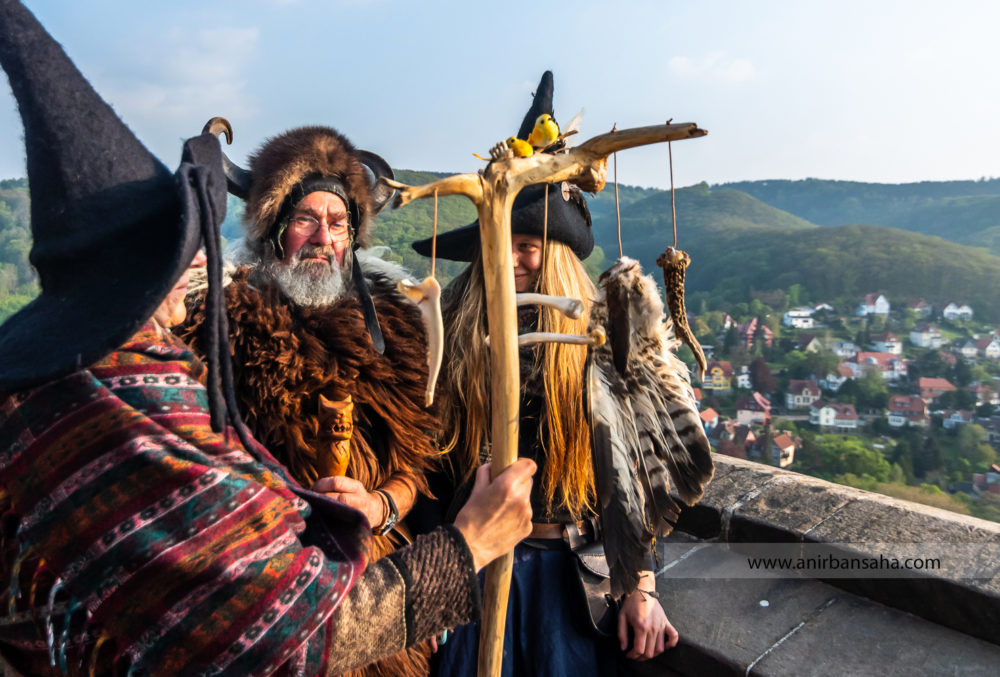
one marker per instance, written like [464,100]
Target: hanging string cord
[434,236]
[545,226]
[618,209]
[673,198]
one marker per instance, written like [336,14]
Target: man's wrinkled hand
[351,492]
[497,515]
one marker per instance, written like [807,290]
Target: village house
[887,343]
[843,349]
[801,394]
[988,347]
[926,336]
[743,378]
[731,439]
[718,376]
[920,307]
[834,380]
[952,418]
[891,367]
[782,450]
[907,410]
[749,333]
[984,394]
[728,321]
[809,343]
[799,318]
[709,419]
[933,388]
[955,311]
[873,304]
[753,409]
[966,348]
[840,417]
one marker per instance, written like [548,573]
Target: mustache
[309,250]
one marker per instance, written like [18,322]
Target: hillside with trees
[741,246]
[967,212]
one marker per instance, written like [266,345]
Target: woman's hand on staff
[498,513]
[652,633]
[351,492]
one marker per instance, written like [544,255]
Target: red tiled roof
[727,368]
[936,383]
[708,414]
[783,441]
[795,386]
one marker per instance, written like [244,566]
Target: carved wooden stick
[493,193]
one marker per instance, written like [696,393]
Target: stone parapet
[931,623]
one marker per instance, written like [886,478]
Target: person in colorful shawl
[142,530]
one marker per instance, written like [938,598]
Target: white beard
[311,283]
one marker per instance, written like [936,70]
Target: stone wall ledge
[749,502]
[795,625]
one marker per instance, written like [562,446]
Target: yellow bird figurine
[545,133]
[520,147]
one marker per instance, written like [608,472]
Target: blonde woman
[547,633]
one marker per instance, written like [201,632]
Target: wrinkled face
[316,243]
[172,310]
[320,224]
[527,253]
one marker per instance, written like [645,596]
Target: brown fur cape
[285,356]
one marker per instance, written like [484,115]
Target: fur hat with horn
[296,163]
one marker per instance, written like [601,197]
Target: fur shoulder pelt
[286,356]
[283,161]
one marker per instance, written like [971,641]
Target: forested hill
[740,245]
[967,212]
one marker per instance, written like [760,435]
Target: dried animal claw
[674,263]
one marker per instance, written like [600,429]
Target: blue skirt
[546,633]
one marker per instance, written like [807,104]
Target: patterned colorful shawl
[135,536]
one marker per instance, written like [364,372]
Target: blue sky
[869,91]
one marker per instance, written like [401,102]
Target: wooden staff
[493,192]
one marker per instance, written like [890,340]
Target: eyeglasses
[306,226]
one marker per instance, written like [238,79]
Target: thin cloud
[205,71]
[717,66]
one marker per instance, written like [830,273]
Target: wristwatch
[392,514]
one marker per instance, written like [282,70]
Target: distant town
[895,396]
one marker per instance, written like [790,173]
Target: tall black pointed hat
[113,229]
[568,216]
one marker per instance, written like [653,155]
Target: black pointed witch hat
[568,216]
[113,229]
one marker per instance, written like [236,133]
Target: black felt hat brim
[568,222]
[57,334]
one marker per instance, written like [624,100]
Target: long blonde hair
[568,480]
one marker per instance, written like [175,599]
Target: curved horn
[381,193]
[237,178]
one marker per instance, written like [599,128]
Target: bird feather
[646,431]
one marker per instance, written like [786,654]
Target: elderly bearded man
[323,344]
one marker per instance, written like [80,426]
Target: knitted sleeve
[403,599]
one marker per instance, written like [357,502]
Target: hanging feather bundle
[646,432]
